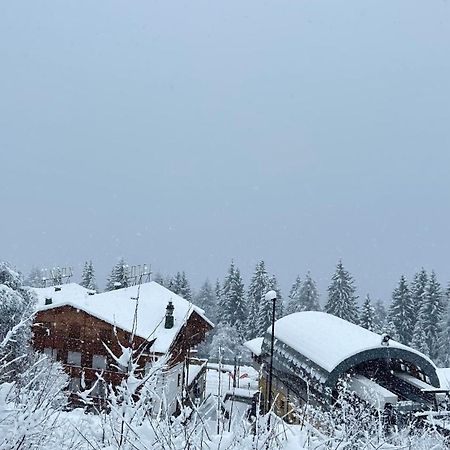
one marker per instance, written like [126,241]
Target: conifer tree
[444,334]
[259,285]
[293,302]
[185,288]
[308,296]
[160,279]
[380,317]
[341,296]
[88,276]
[180,285]
[175,283]
[207,300]
[273,286]
[418,287]
[431,316]
[367,319]
[35,278]
[419,340]
[218,291]
[119,276]
[232,303]
[401,312]
[264,317]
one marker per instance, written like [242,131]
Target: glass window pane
[99,362]
[74,358]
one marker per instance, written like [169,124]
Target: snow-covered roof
[254,345]
[118,308]
[328,340]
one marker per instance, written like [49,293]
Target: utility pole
[271,295]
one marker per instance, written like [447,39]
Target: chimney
[48,300]
[169,315]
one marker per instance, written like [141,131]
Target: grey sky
[187,133]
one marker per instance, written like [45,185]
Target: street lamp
[271,296]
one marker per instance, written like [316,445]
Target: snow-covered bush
[16,310]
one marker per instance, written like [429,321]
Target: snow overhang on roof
[255,345]
[333,346]
[118,308]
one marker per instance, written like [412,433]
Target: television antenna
[57,276]
[139,274]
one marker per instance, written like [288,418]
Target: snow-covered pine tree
[257,289]
[341,296]
[207,300]
[218,291]
[175,284]
[185,288]
[264,317]
[111,280]
[180,285]
[35,278]
[380,317]
[16,304]
[419,340]
[367,319]
[418,287]
[443,358]
[232,303]
[308,296]
[401,312]
[159,278]
[119,276]
[293,302]
[431,315]
[88,276]
[273,286]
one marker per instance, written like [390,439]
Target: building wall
[65,329]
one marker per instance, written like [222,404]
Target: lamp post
[271,295]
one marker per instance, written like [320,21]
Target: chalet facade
[315,351]
[86,332]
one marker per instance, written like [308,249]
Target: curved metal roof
[334,345]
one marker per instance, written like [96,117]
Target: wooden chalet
[83,330]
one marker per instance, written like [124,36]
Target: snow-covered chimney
[169,315]
[48,300]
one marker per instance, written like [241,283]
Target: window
[74,358]
[99,362]
[74,385]
[99,389]
[51,353]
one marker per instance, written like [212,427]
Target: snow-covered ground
[70,430]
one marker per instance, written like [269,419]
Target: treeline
[417,315]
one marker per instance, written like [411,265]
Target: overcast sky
[187,133]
